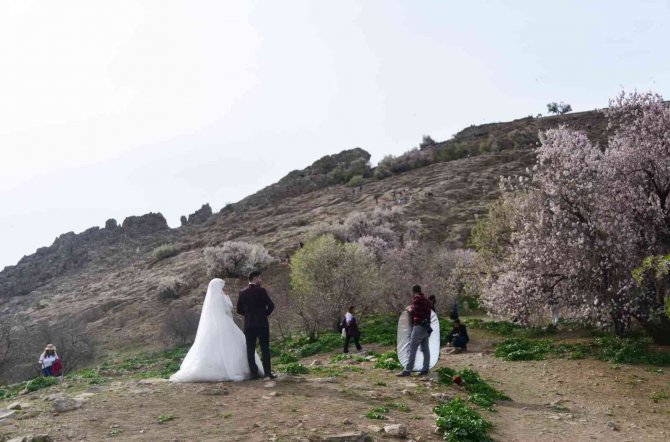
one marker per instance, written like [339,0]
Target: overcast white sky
[118,108]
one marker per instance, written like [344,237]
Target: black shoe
[403,374]
[423,372]
[254,377]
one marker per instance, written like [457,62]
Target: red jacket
[56,367]
[421,308]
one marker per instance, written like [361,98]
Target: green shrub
[356,181]
[39,383]
[164,251]
[459,423]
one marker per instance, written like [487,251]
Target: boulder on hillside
[145,224]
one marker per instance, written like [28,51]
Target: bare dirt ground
[552,400]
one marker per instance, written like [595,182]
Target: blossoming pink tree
[585,219]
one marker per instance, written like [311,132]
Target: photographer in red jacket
[420,311]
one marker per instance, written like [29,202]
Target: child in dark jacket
[351,330]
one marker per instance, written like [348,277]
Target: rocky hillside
[106,278]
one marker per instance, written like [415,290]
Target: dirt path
[553,400]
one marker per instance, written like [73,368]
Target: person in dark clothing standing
[453,314]
[351,330]
[420,311]
[255,305]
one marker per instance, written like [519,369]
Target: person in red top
[420,311]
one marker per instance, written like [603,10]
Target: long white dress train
[219,352]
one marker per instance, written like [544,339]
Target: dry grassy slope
[115,294]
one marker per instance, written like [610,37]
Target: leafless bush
[74,345]
[170,288]
[283,319]
[428,265]
[413,230]
[379,223]
[236,258]
[180,326]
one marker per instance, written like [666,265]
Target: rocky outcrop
[198,217]
[70,252]
[145,224]
[111,224]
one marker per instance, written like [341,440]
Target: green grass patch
[301,346]
[521,349]
[659,396]
[458,422]
[481,393]
[379,329]
[285,358]
[334,359]
[509,329]
[400,406]
[165,418]
[388,361]
[293,368]
[606,348]
[378,413]
[13,390]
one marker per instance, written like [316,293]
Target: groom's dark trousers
[255,305]
[263,336]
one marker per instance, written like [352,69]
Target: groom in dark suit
[255,305]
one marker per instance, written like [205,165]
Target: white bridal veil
[219,350]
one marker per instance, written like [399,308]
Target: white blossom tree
[585,220]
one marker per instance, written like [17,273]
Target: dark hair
[416,289]
[432,298]
[351,308]
[457,321]
[254,274]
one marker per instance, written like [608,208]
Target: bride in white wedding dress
[219,352]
